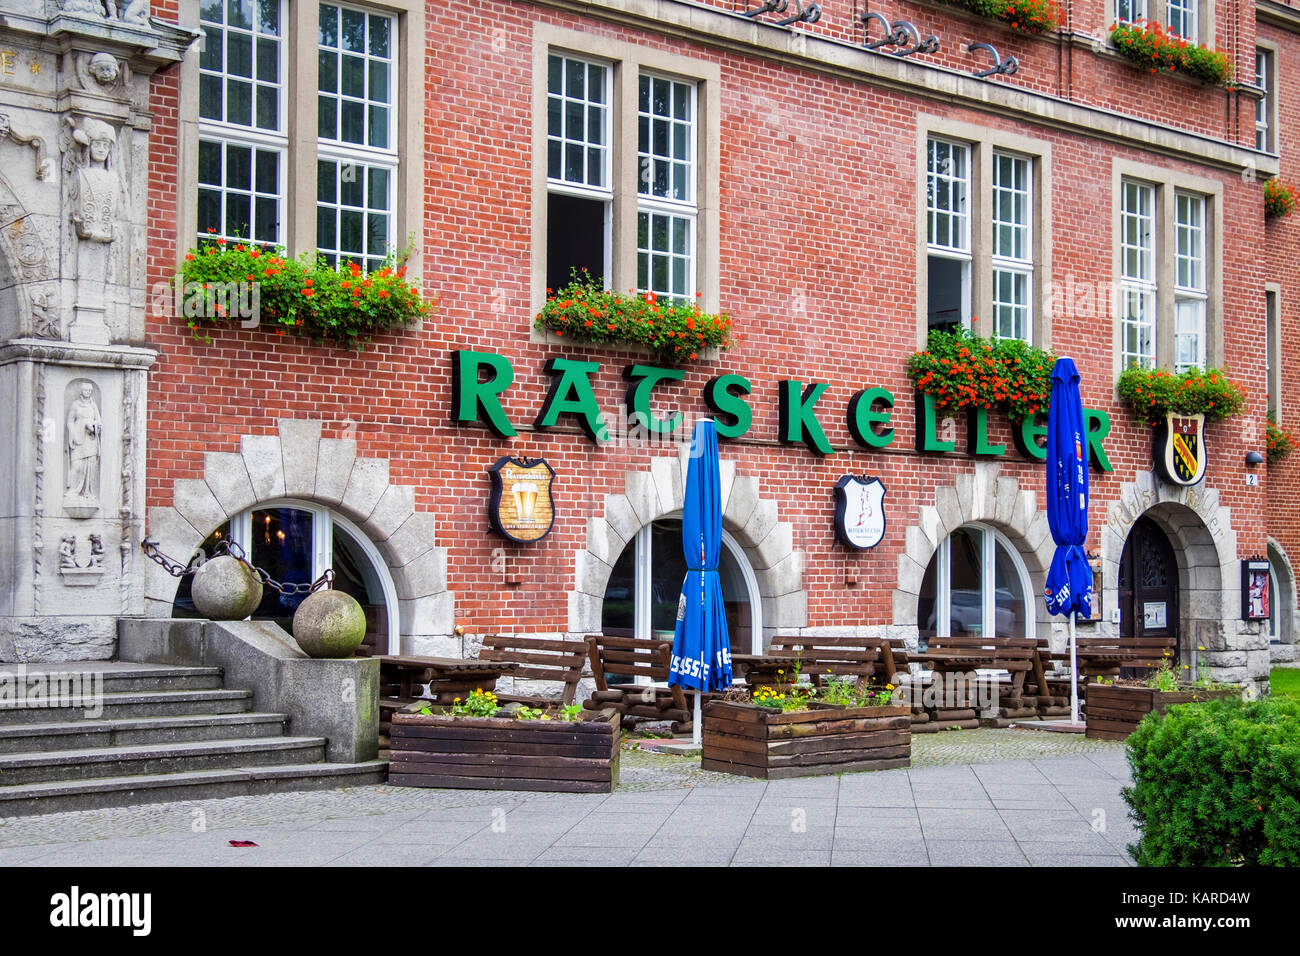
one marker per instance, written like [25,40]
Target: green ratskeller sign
[479,379]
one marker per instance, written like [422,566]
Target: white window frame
[1136,11]
[249,136]
[1142,287]
[1189,13]
[323,522]
[990,540]
[361,156]
[1191,293]
[1019,267]
[1265,68]
[650,206]
[958,248]
[1273,349]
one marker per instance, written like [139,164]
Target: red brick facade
[817,244]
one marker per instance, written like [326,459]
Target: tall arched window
[295,542]
[643,589]
[975,586]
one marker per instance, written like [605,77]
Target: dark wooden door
[1148,584]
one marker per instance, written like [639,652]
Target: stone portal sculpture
[85,429]
[95,196]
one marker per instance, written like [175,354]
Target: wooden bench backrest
[539,659]
[628,657]
[841,656]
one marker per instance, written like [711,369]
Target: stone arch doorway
[297,464]
[765,543]
[1148,591]
[1282,619]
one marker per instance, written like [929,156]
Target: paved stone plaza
[1057,803]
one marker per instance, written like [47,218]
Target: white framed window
[1138,282]
[356,119]
[1182,17]
[948,234]
[1264,139]
[580,191]
[1130,11]
[666,204]
[1272,352]
[976,585]
[1013,257]
[642,593]
[1190,293]
[241,141]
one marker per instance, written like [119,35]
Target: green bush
[1217,784]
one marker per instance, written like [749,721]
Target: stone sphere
[226,590]
[329,624]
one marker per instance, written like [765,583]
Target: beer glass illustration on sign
[520,507]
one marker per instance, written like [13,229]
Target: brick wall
[818,228]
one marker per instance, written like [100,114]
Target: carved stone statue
[68,553]
[96,551]
[85,429]
[128,11]
[96,186]
[103,69]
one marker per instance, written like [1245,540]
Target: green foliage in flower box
[960,370]
[300,296]
[1151,393]
[1151,46]
[1025,16]
[1279,199]
[1281,440]
[675,331]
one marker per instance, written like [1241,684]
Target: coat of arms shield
[860,511]
[1180,448]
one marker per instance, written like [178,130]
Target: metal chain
[231,548]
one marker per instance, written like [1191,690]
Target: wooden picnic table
[447,677]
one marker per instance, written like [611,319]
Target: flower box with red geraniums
[1151,46]
[959,370]
[342,306]
[1153,392]
[1023,16]
[1281,440]
[583,311]
[1279,199]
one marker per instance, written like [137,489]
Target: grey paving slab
[975,853]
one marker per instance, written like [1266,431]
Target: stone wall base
[53,639]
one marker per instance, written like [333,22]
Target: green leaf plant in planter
[1152,47]
[1023,16]
[1279,199]
[1281,440]
[675,331]
[1153,393]
[224,281]
[959,370]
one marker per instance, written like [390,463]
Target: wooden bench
[867,659]
[402,679]
[1097,657]
[538,659]
[626,660]
[1014,656]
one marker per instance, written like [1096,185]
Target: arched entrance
[643,588]
[295,542]
[975,585]
[1148,585]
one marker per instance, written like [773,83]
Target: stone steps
[111,734]
[64,795]
[126,732]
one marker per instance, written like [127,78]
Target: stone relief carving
[95,187]
[96,552]
[127,11]
[45,320]
[44,164]
[75,574]
[82,436]
[68,553]
[38,486]
[29,250]
[102,73]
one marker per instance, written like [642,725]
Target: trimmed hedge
[1217,784]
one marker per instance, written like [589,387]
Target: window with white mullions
[1137,274]
[975,586]
[1130,11]
[239,191]
[579,189]
[666,209]
[1263,105]
[357,165]
[947,189]
[1189,282]
[354,213]
[241,139]
[1013,264]
[1182,18]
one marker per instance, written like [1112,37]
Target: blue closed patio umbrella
[1069,579]
[701,658]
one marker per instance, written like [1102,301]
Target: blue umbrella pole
[698,723]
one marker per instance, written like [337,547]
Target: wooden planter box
[500,753]
[1114,710]
[760,742]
